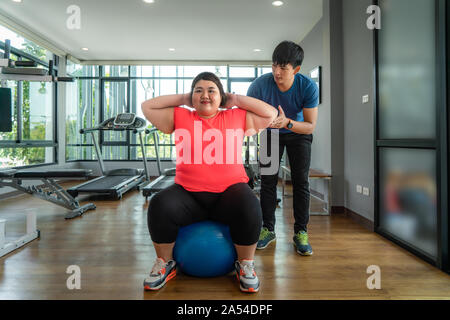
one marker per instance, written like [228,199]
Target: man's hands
[281,121]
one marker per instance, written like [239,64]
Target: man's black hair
[288,52]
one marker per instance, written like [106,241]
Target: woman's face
[206,98]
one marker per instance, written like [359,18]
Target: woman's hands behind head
[187,101]
[232,100]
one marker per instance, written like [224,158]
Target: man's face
[284,74]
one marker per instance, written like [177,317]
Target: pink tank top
[209,151]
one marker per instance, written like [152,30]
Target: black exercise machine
[50,190]
[165,179]
[252,168]
[115,183]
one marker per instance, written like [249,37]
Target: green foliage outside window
[30,131]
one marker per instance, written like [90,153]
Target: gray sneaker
[246,275]
[160,274]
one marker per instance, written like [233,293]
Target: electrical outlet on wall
[365,98]
[358,188]
[366,191]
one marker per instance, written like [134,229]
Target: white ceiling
[219,30]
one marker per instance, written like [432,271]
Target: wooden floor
[112,247]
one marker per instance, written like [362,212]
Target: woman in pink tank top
[208,138]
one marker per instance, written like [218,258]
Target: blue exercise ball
[205,249]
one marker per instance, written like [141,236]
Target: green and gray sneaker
[265,238]
[301,243]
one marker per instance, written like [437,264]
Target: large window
[32,139]
[94,98]
[82,110]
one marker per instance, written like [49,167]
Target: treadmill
[165,179]
[114,183]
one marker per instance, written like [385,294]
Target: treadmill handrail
[140,130]
[87,130]
[151,130]
[103,124]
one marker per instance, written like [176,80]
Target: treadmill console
[124,119]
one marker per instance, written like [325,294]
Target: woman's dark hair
[209,76]
[288,52]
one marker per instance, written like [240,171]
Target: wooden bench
[313,174]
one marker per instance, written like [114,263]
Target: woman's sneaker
[302,244]
[246,275]
[265,238]
[160,274]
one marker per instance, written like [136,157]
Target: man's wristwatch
[289,125]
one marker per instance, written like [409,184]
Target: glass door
[410,102]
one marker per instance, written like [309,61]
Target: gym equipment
[165,179]
[115,183]
[32,233]
[205,249]
[252,169]
[6,108]
[27,70]
[50,190]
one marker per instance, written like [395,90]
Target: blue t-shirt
[302,94]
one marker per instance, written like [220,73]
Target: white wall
[343,140]
[323,47]
[359,118]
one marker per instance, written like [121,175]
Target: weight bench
[313,174]
[51,190]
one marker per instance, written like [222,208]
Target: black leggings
[176,207]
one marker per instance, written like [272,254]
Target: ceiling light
[149,1]
[257,50]
[171,49]
[277,3]
[217,73]
[85,49]
[17,1]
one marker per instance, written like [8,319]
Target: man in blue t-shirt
[297,98]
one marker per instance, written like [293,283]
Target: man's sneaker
[246,275]
[265,238]
[302,244]
[160,274]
